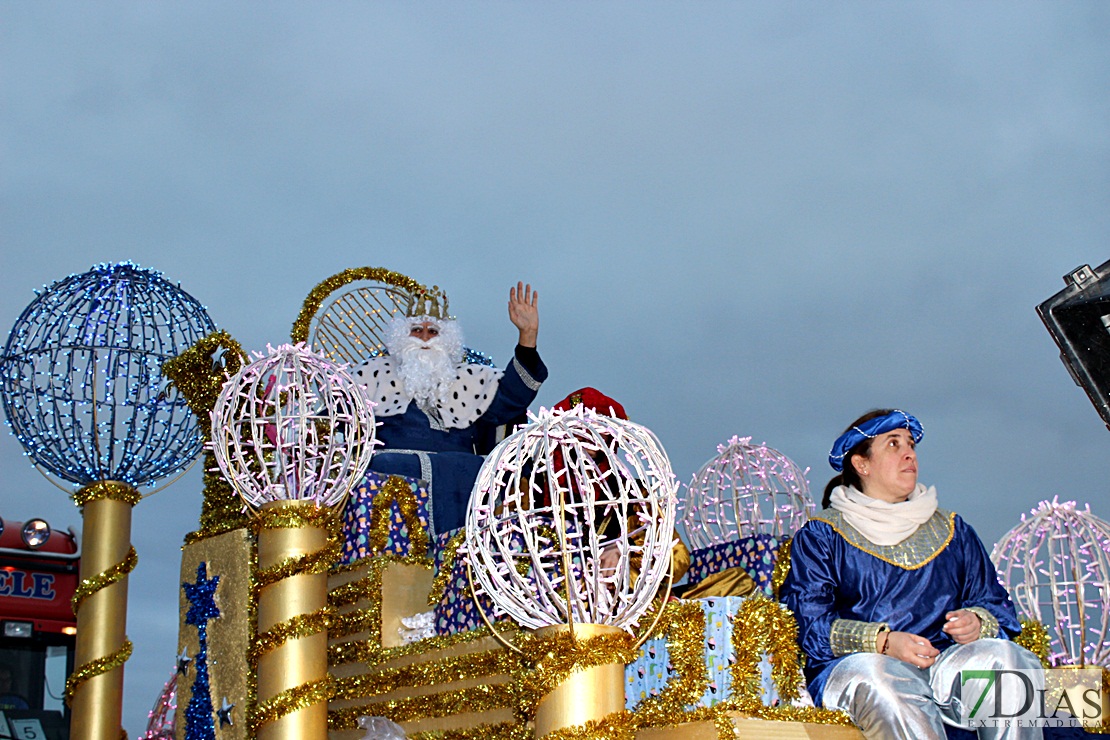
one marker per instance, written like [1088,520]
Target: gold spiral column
[94,690]
[588,693]
[291,649]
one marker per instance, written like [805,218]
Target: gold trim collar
[912,553]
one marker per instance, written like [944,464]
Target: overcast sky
[750,219]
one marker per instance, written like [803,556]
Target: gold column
[299,661]
[95,689]
[587,694]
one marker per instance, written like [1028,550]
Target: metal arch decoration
[345,316]
[81,378]
[747,489]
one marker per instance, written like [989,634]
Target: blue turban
[869,430]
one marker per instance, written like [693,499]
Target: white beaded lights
[1056,565]
[292,425]
[745,490]
[557,498]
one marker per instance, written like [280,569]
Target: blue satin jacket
[836,573]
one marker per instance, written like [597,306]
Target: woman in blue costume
[894,597]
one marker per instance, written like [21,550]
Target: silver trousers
[889,698]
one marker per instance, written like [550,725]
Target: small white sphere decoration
[292,425]
[747,489]
[1056,565]
[555,496]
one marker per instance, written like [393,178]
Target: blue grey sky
[743,218]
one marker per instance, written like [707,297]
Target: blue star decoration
[183,662]
[199,724]
[224,713]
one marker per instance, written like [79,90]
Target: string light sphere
[81,376]
[292,425]
[1056,565]
[563,514]
[747,489]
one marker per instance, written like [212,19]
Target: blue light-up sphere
[81,376]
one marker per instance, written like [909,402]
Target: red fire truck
[38,575]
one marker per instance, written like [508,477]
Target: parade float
[318,602]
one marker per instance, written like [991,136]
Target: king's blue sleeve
[981,587]
[810,588]
[517,388]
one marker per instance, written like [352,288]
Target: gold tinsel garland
[96,667]
[683,624]
[289,701]
[765,626]
[299,626]
[397,489]
[617,726]
[297,517]
[89,586]
[474,699]
[318,294]
[370,618]
[446,670]
[199,378]
[443,576]
[107,489]
[492,731]
[547,661]
[1034,638]
[782,567]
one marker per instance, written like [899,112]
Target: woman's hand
[963,626]
[524,313]
[908,647]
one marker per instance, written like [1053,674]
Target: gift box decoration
[755,554]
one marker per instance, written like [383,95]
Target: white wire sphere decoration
[551,498]
[293,425]
[1056,565]
[747,489]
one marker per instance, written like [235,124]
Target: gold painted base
[586,695]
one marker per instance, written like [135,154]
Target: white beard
[426,368]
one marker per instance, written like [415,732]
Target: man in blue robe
[432,406]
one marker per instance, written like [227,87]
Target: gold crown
[426,302]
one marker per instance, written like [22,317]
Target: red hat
[594,400]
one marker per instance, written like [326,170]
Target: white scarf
[882,522]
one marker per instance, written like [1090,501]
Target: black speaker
[1078,318]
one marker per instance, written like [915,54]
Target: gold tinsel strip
[289,701]
[318,294]
[764,626]
[296,517]
[446,670]
[310,564]
[443,577]
[370,618]
[474,699]
[89,586]
[365,652]
[353,592]
[111,489]
[96,667]
[616,726]
[493,731]
[199,379]
[1034,638]
[548,660]
[396,489]
[299,626]
[222,508]
[683,624]
[782,567]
